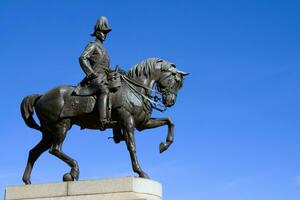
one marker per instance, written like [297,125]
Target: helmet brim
[105,31]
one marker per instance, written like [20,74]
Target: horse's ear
[182,73]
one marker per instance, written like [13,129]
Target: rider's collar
[98,41]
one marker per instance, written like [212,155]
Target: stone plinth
[129,188]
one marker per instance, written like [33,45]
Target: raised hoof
[163,147]
[68,177]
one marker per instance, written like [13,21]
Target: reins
[154,103]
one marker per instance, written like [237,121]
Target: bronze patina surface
[121,101]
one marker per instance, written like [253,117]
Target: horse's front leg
[130,142]
[157,122]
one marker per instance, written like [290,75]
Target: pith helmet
[101,25]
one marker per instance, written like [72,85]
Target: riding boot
[102,103]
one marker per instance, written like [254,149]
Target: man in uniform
[95,63]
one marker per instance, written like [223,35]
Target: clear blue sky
[237,117]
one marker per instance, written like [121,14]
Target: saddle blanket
[77,105]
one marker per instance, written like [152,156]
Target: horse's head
[171,80]
[162,73]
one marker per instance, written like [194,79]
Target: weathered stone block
[128,188]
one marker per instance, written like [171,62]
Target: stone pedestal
[128,188]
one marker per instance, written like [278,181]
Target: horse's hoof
[75,174]
[27,182]
[68,177]
[144,175]
[162,147]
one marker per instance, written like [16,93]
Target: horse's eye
[170,82]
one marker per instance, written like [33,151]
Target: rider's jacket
[94,59]
[95,63]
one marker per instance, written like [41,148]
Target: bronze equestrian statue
[128,104]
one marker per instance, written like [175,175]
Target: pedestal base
[129,188]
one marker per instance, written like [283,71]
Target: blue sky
[237,134]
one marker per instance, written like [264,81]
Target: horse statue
[130,108]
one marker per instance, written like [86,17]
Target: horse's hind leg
[34,154]
[56,149]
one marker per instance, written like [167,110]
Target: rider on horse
[95,63]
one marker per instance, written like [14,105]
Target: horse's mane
[143,68]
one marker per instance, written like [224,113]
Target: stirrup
[102,124]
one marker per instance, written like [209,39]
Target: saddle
[75,104]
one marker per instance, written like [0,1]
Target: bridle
[167,90]
[155,100]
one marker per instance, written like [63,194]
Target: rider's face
[101,35]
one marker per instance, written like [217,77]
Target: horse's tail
[27,110]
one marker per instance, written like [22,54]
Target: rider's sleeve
[84,59]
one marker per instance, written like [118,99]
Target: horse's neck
[149,80]
[146,83]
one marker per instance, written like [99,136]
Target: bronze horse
[133,110]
